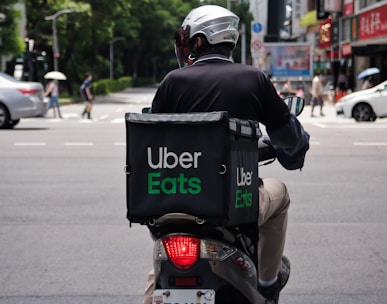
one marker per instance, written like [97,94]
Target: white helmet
[216,23]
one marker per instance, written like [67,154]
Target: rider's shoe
[271,293]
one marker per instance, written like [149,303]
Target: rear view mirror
[295,104]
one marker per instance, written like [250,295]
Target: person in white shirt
[317,91]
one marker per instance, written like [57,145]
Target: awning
[309,19]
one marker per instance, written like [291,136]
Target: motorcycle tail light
[213,250]
[183,251]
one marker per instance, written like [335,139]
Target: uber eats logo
[161,158]
[165,159]
[243,198]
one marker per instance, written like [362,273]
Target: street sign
[257,27]
[256,44]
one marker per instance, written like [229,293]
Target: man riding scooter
[209,81]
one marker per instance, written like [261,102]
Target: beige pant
[88,106]
[272,220]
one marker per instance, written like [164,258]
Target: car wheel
[4,117]
[14,122]
[363,112]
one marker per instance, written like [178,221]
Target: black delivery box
[203,164]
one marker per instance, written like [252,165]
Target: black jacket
[214,83]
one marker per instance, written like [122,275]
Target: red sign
[325,34]
[373,23]
[331,55]
[348,7]
[346,49]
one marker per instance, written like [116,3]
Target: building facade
[345,35]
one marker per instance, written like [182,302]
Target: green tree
[10,41]
[146,26]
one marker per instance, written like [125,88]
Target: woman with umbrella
[52,90]
[368,82]
[367,76]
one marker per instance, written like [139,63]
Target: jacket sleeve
[291,142]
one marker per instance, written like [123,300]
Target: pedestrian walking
[317,91]
[269,63]
[52,91]
[342,84]
[86,93]
[287,88]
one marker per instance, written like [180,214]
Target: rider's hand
[266,140]
[287,161]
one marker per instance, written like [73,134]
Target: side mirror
[295,104]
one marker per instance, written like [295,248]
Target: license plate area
[183,296]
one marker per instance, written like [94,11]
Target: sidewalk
[328,110]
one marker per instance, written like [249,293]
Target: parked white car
[20,99]
[365,105]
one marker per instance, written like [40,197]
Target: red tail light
[183,251]
[29,91]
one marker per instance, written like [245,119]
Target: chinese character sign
[373,23]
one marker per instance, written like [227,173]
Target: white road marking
[104,116]
[30,144]
[118,120]
[350,126]
[361,143]
[79,144]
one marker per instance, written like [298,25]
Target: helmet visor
[182,46]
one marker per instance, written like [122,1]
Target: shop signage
[332,55]
[348,7]
[373,23]
[354,32]
[346,49]
[291,59]
[332,5]
[325,33]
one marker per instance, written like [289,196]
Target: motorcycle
[199,261]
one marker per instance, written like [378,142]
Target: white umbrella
[368,72]
[55,75]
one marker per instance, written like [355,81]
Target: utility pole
[55,46]
[111,42]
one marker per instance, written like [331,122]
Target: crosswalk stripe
[360,143]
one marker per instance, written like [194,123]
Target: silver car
[20,99]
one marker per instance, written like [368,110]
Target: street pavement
[64,237]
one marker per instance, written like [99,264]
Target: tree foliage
[145,27]
[10,40]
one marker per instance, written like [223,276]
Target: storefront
[368,36]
